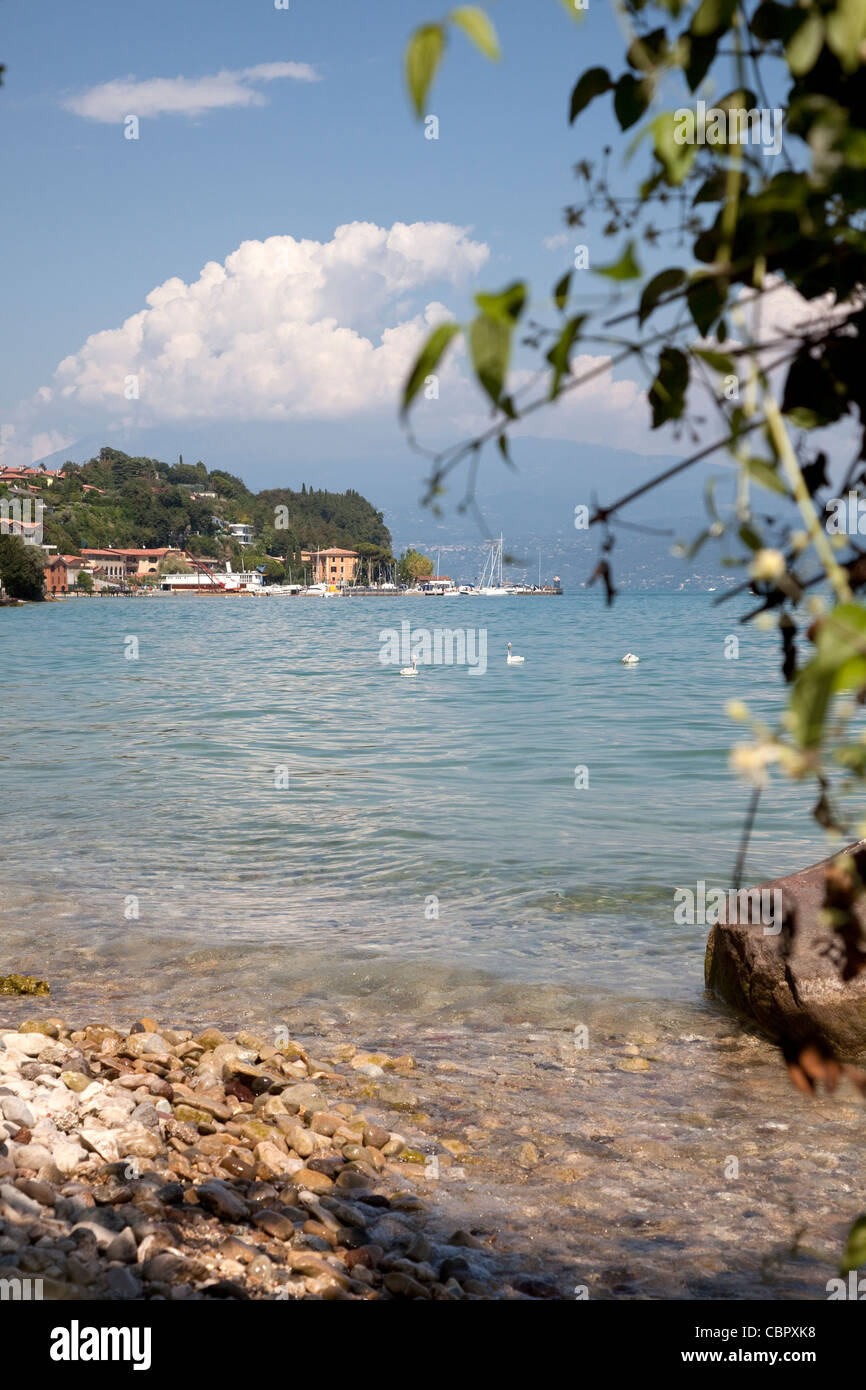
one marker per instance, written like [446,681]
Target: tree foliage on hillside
[320,518]
[119,500]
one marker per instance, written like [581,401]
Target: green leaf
[478,26]
[490,347]
[715,189]
[839,663]
[631,99]
[423,56]
[676,156]
[812,390]
[648,50]
[427,360]
[502,442]
[855,1247]
[846,29]
[810,700]
[750,538]
[697,545]
[853,758]
[505,307]
[804,46]
[772,20]
[626,268]
[785,190]
[701,56]
[719,361]
[660,284]
[766,476]
[713,15]
[706,297]
[667,395]
[559,353]
[560,293]
[736,100]
[593,83]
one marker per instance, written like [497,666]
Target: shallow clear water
[262,906]
[154,779]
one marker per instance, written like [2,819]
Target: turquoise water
[154,779]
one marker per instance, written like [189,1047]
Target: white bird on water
[410,670]
[513,660]
[630,659]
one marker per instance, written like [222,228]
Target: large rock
[789,982]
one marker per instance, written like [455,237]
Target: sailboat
[490,584]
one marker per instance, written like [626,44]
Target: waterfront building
[74,565]
[334,566]
[56,576]
[121,562]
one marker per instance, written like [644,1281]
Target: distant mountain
[533,507]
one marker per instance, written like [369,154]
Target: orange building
[122,562]
[333,566]
[56,576]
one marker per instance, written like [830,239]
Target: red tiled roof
[122,552]
[163,550]
[29,473]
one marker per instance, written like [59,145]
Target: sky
[249,279]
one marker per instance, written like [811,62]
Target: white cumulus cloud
[182,96]
[283,329]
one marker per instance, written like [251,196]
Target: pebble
[275,1224]
[123,1247]
[15,1110]
[404,1286]
[218,1197]
[128,1152]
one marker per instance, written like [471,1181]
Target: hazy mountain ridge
[533,507]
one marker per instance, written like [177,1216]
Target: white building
[241,531]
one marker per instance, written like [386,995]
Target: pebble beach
[161,1164]
[156,1163]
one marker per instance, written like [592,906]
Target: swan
[630,659]
[410,670]
[513,660]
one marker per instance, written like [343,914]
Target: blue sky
[97,220]
[94,222]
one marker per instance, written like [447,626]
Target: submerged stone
[779,962]
[23,984]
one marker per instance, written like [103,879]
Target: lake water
[151,864]
[147,786]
